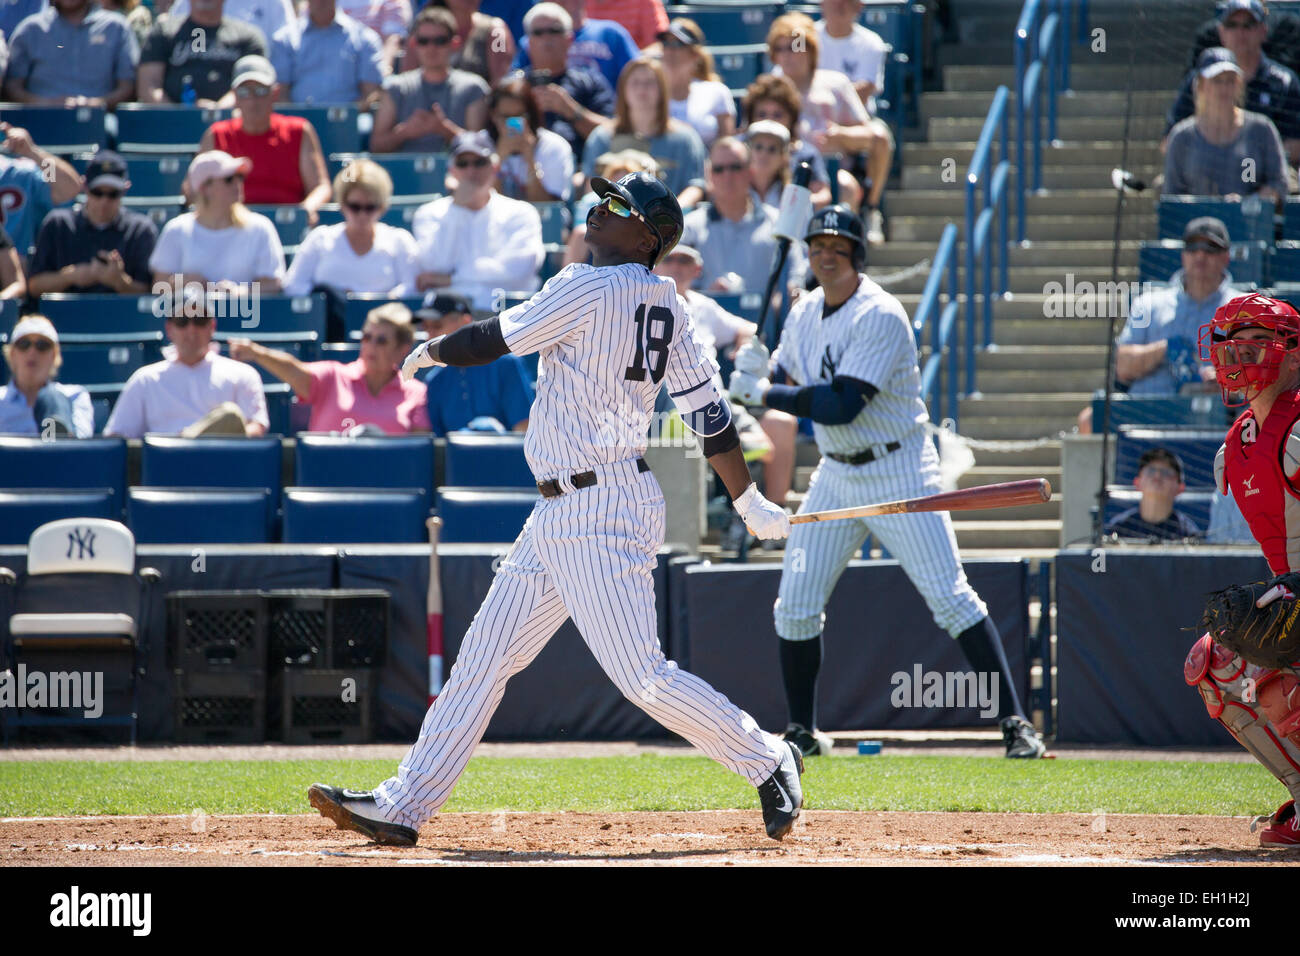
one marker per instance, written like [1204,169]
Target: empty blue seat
[159,213]
[1291,218]
[1286,262]
[211,462]
[99,364]
[355,516]
[1196,448]
[148,128]
[58,129]
[300,315]
[22,512]
[395,461]
[200,515]
[738,66]
[360,305]
[420,176]
[1194,504]
[344,352]
[290,222]
[80,314]
[336,124]
[154,179]
[747,305]
[1159,259]
[729,22]
[73,464]
[487,461]
[1251,218]
[473,514]
[555,219]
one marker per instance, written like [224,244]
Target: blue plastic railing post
[953,305]
[1003,235]
[1048,39]
[970,282]
[1021,181]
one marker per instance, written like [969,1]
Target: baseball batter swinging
[1245,666]
[847,360]
[608,334]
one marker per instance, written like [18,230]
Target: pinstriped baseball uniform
[608,338]
[868,338]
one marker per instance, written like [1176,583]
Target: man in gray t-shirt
[1253,162]
[424,109]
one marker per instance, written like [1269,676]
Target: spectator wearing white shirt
[194,390]
[852,49]
[697,95]
[536,164]
[477,242]
[222,242]
[267,15]
[360,254]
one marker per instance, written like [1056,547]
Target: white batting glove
[753,358]
[1274,593]
[748,389]
[765,520]
[420,358]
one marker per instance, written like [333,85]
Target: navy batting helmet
[652,202]
[840,221]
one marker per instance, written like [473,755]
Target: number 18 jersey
[608,337]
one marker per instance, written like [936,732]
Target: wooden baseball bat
[433,610]
[982,497]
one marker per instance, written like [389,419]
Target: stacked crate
[218,655]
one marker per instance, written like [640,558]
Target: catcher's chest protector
[1253,470]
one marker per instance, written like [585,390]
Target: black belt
[863,457]
[583,479]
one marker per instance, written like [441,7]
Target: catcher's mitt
[1259,621]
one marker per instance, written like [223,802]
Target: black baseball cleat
[811,743]
[781,794]
[356,810]
[1021,740]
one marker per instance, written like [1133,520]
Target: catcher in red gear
[1254,344]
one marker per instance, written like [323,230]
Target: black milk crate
[217,630]
[225,707]
[316,706]
[327,629]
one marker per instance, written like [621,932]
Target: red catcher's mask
[1239,365]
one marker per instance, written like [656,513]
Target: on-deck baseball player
[608,334]
[1254,344]
[847,360]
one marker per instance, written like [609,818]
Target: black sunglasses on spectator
[546,31]
[40,344]
[477,162]
[106,193]
[443,40]
[1203,247]
[730,168]
[361,207]
[181,321]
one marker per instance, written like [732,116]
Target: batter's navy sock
[800,662]
[982,645]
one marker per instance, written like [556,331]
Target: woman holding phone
[536,164]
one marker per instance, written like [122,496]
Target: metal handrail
[980,247]
[942,327]
[1043,36]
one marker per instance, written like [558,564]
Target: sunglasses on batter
[614,204]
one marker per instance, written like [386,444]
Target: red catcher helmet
[1239,365]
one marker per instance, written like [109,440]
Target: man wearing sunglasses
[194,390]
[98,246]
[609,336]
[476,241]
[424,109]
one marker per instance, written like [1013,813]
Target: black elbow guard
[722,442]
[475,344]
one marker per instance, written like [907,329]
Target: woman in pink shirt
[365,392]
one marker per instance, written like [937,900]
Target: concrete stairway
[1044,366]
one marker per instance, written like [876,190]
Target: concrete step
[1005,358]
[918,153]
[1083,77]
[951,203]
[1041,454]
[996,474]
[1053,405]
[1042,533]
[1082,104]
[1090,286]
[1093,256]
[1025,313]
[1054,176]
[960,129]
[1022,381]
[1099,228]
[1015,429]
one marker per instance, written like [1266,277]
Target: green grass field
[603,784]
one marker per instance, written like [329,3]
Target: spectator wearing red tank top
[288,162]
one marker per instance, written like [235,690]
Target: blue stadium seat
[58,129]
[336,125]
[1247,220]
[8,314]
[360,304]
[76,314]
[279,405]
[344,352]
[80,464]
[395,461]
[1194,504]
[159,213]
[290,223]
[200,515]
[1291,218]
[1163,411]
[276,315]
[729,22]
[747,305]
[1196,447]
[100,364]
[211,463]
[147,128]
[487,461]
[1159,259]
[472,514]
[738,66]
[355,516]
[155,180]
[22,512]
[555,219]
[1286,262]
[416,176]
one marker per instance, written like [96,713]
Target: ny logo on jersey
[1249,432]
[828,364]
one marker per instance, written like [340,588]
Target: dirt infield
[710,838]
